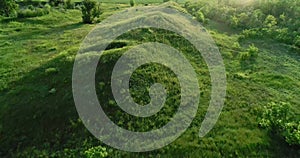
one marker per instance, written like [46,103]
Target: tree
[90,10]
[8,7]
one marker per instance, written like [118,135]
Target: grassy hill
[38,116]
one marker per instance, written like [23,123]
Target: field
[38,117]
[120,1]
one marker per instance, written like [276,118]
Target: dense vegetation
[90,10]
[275,19]
[259,42]
[8,7]
[277,118]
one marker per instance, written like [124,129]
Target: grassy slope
[33,45]
[36,120]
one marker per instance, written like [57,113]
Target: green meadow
[260,46]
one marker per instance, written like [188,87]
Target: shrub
[51,70]
[61,7]
[297,41]
[244,56]
[8,8]
[78,7]
[243,20]
[56,2]
[283,35]
[69,4]
[253,51]
[96,152]
[47,7]
[33,12]
[234,21]
[250,54]
[270,21]
[132,3]
[200,17]
[31,7]
[90,10]
[292,133]
[274,115]
[252,33]
[276,118]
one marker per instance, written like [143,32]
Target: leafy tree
[90,10]
[8,7]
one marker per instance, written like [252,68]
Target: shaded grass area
[28,111]
[136,1]
[38,115]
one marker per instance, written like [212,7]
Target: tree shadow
[280,148]
[39,109]
[31,114]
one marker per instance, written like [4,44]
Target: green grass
[136,1]
[38,115]
[122,1]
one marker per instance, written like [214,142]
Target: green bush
[250,54]
[274,115]
[297,41]
[234,21]
[283,35]
[244,56]
[55,2]
[69,4]
[31,7]
[90,10]
[277,118]
[8,8]
[31,11]
[47,7]
[252,33]
[51,70]
[96,152]
[270,21]
[253,51]
[244,20]
[273,19]
[132,3]
[292,133]
[200,17]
